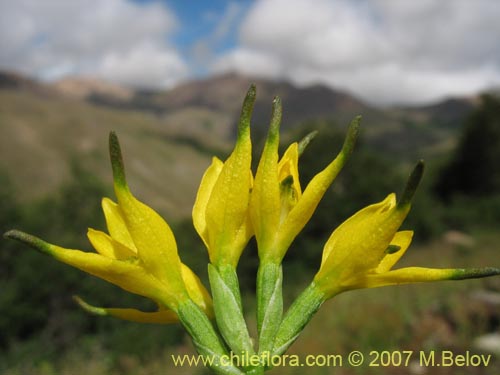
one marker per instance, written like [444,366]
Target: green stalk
[296,318]
[229,312]
[205,338]
[269,304]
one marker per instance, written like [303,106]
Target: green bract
[139,252]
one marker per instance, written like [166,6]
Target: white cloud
[250,62]
[383,51]
[113,39]
[146,65]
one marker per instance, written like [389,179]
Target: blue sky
[383,51]
[213,22]
[199,19]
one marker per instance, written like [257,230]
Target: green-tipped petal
[107,246]
[420,274]
[227,208]
[401,240]
[246,113]
[133,315]
[360,244]
[315,190]
[116,224]
[151,235]
[126,275]
[265,202]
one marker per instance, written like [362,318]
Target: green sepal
[269,304]
[228,314]
[298,315]
[205,338]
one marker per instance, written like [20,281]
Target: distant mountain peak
[85,87]
[16,81]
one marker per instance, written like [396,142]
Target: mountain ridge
[170,136]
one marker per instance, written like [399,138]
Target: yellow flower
[139,254]
[361,252]
[278,207]
[220,213]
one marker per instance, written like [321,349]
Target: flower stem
[269,304]
[205,338]
[229,312]
[296,318]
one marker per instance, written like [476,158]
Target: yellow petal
[265,201]
[133,315]
[305,207]
[361,238]
[419,274]
[196,290]
[116,224]
[127,275]
[204,192]
[288,166]
[359,244]
[241,238]
[109,247]
[154,240]
[151,235]
[227,207]
[226,210]
[402,240]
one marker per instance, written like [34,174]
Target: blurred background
[169,77]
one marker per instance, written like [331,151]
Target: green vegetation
[469,184]
[474,169]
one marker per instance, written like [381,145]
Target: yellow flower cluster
[139,252]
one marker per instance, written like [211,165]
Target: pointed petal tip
[474,273]
[11,234]
[28,239]
[412,184]
[352,136]
[276,114]
[304,142]
[250,96]
[117,166]
[246,112]
[252,90]
[89,308]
